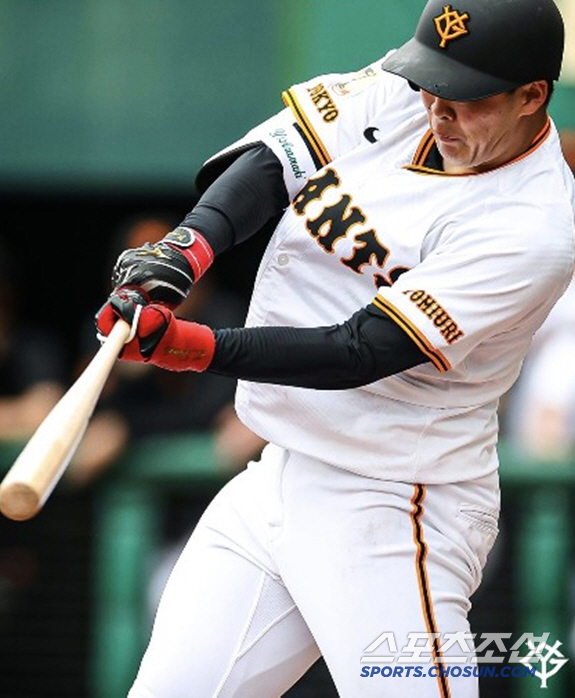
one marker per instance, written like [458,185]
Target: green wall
[137,93]
[342,35]
[129,91]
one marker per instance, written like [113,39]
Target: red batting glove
[161,338]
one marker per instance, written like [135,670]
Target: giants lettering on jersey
[334,222]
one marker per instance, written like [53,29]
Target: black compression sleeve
[369,346]
[249,194]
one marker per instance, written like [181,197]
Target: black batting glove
[165,270]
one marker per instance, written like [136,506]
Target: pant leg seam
[237,654]
[268,627]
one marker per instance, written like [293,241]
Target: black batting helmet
[470,49]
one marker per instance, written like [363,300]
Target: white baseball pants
[295,558]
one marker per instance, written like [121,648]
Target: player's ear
[534,95]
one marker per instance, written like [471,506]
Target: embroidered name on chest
[335,221]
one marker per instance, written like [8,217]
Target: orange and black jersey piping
[425,346]
[428,160]
[319,153]
[427,156]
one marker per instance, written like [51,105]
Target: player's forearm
[367,347]
[241,201]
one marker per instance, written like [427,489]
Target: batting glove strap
[166,270]
[194,247]
[184,346]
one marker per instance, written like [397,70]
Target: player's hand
[159,337]
[166,270]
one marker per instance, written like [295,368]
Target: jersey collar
[428,160]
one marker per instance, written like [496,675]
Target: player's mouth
[445,138]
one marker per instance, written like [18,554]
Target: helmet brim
[442,76]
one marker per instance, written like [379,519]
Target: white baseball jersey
[468,265]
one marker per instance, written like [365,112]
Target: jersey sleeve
[481,284]
[324,118]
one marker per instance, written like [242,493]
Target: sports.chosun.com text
[505,671]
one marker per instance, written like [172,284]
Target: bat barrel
[42,462]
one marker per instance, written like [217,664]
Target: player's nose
[438,107]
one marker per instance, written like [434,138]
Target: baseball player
[424,228]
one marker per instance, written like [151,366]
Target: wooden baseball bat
[45,457]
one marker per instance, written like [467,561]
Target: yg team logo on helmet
[473,49]
[451,25]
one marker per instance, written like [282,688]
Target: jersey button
[283,259]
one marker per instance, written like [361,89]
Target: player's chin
[456,157]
